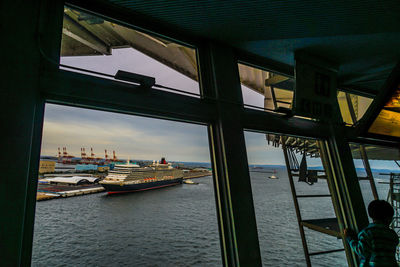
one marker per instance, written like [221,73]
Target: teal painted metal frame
[220,108]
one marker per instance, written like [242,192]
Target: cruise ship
[126,178]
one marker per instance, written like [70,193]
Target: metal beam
[237,220]
[19,98]
[101,49]
[377,142]
[122,16]
[358,91]
[72,88]
[372,139]
[80,33]
[384,138]
[348,204]
[49,29]
[261,121]
[275,79]
[346,179]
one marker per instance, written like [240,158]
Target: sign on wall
[315,89]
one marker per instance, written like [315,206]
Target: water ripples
[174,226]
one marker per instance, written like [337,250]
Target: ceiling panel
[361,36]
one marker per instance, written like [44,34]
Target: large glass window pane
[381,162]
[384,166]
[277,224]
[352,107]
[388,120]
[104,47]
[162,223]
[265,90]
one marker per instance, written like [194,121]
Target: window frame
[220,112]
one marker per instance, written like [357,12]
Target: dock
[40,196]
[47,192]
[51,190]
[79,192]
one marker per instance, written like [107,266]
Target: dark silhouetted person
[376,244]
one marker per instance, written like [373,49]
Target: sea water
[177,226]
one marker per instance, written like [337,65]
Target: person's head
[380,211]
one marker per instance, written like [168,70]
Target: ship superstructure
[131,177]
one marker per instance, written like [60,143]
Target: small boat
[187,181]
[273,177]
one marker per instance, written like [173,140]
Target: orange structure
[84,158]
[65,158]
[114,157]
[106,156]
[91,154]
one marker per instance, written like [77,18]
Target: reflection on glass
[92,43]
[365,174]
[379,153]
[264,89]
[278,230]
[352,107]
[388,120]
[80,225]
[377,162]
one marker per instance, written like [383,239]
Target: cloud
[138,137]
[130,136]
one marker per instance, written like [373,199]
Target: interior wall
[19,98]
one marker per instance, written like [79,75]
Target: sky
[130,136]
[137,137]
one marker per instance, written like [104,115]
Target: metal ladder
[329,226]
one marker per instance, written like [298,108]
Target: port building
[47,166]
[327,71]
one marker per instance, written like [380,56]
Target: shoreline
[53,191]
